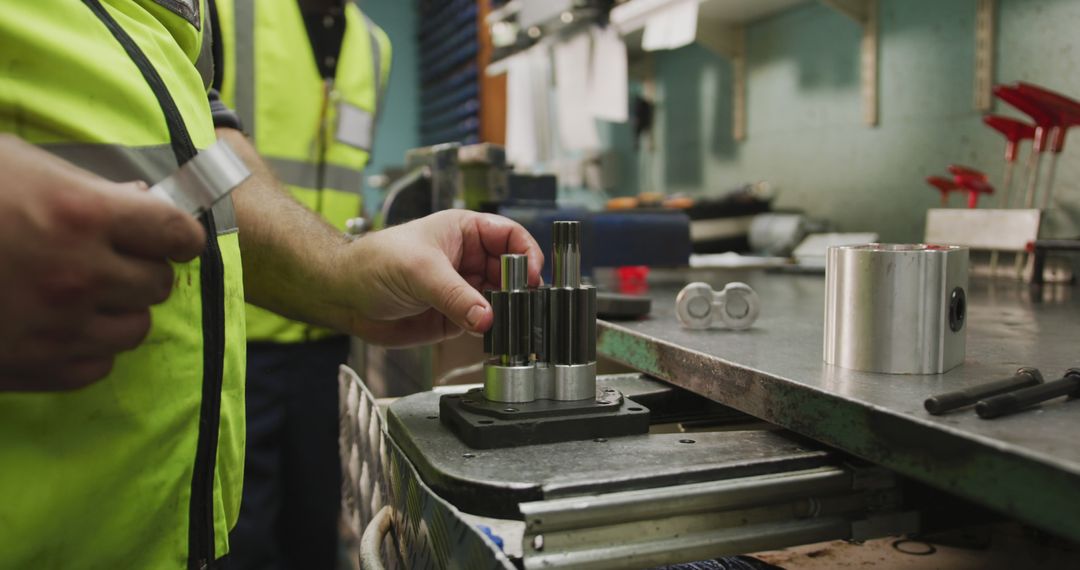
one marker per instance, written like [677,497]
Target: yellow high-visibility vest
[316,134]
[142,469]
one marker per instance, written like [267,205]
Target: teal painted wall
[804,119]
[399,128]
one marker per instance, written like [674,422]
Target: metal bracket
[984,55]
[730,42]
[864,13]
[656,525]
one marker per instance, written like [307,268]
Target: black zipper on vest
[201,552]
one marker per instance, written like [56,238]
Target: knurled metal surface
[427,531]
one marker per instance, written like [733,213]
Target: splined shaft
[566,254]
[510,338]
[571,322]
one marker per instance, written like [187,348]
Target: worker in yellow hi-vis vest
[307,78]
[122,333]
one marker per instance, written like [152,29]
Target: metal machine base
[651,499]
[483,424]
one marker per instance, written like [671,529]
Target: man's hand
[82,260]
[421,281]
[414,283]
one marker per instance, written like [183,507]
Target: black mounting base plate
[483,424]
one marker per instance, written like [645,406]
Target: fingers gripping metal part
[699,307]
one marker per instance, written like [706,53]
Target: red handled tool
[1066,114]
[1014,132]
[1044,124]
[945,186]
[959,170]
[971,180]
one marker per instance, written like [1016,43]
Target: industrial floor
[1003,547]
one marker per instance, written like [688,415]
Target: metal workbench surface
[1026,465]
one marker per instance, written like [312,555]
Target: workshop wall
[804,117]
[399,127]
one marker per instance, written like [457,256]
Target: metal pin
[514,272]
[942,403]
[1005,404]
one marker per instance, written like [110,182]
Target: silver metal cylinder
[574,381]
[514,271]
[896,309]
[545,381]
[510,384]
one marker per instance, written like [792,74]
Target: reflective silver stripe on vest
[380,87]
[205,62]
[150,164]
[204,180]
[244,66]
[225,216]
[305,175]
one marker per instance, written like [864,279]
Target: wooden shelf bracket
[864,13]
[730,42]
[984,55]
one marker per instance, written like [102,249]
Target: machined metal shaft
[566,254]
[571,319]
[514,272]
[942,403]
[510,338]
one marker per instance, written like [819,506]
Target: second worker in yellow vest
[307,79]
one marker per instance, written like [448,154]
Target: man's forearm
[287,250]
[413,283]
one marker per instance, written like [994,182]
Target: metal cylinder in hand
[896,309]
[508,376]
